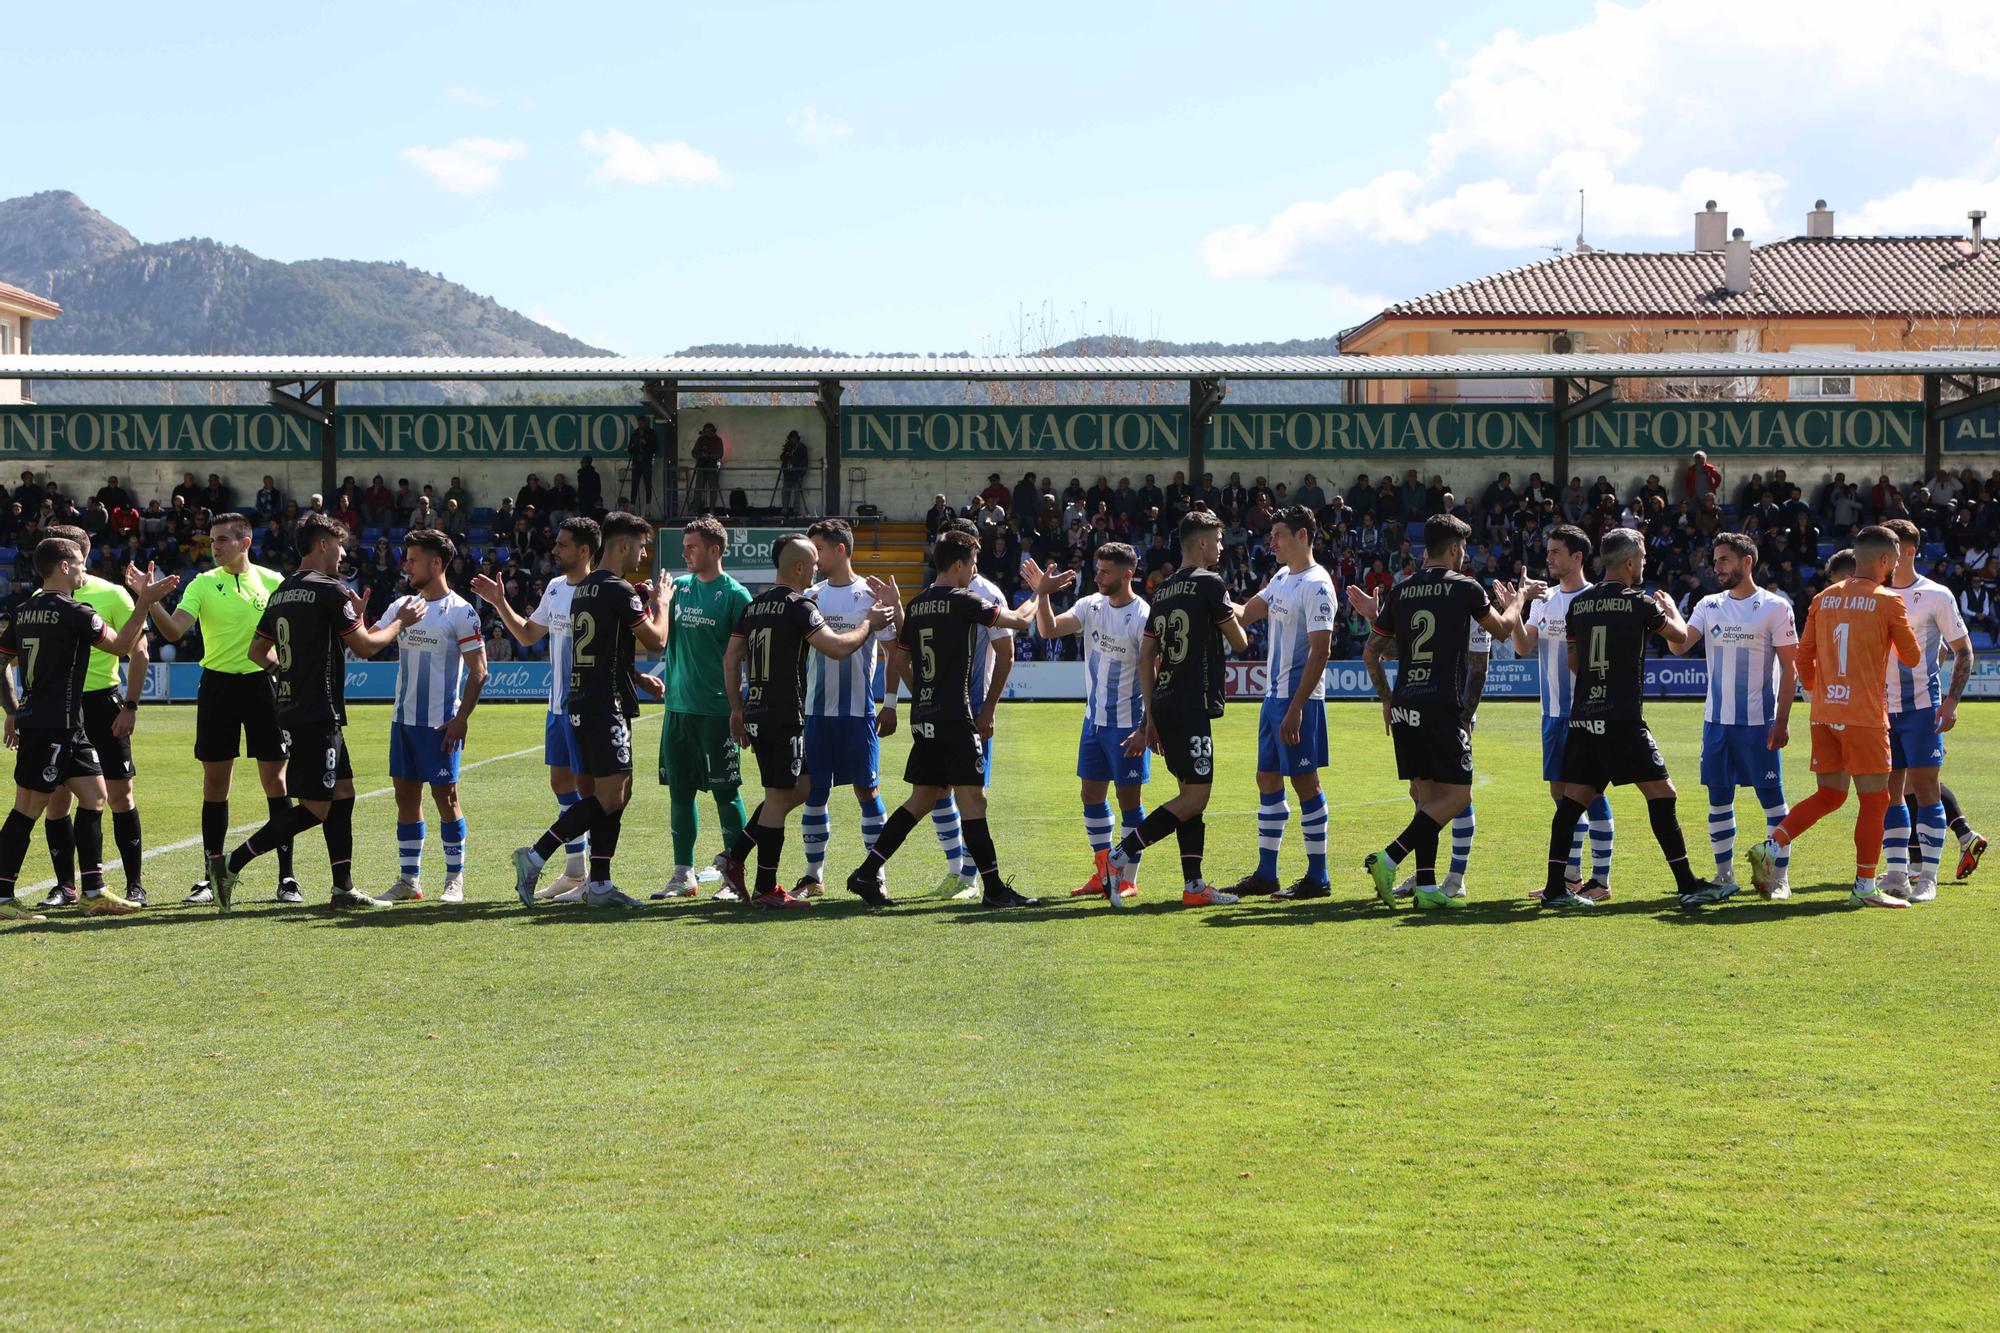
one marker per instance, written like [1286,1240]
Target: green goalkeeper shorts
[697,751]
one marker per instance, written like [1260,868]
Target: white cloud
[471,97]
[1933,205]
[465,166]
[819,128]
[1639,106]
[620,157]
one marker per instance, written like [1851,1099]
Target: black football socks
[1667,832]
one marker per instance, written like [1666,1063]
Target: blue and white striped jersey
[845,688]
[1935,618]
[1111,639]
[1550,617]
[1741,636]
[553,613]
[430,658]
[1299,604]
[982,654]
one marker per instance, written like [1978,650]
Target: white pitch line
[195,841]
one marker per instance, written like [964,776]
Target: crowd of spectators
[510,542]
[1370,531]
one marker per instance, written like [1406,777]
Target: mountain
[202,297]
[199,296]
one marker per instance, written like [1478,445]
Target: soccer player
[432,713]
[1609,743]
[1181,683]
[992,663]
[697,753]
[574,551]
[1112,621]
[1752,642]
[299,638]
[51,637]
[108,718]
[608,623]
[235,699]
[940,642]
[1918,718]
[842,726]
[772,641]
[1428,620]
[1543,632]
[1851,628]
[1291,725]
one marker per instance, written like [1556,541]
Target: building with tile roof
[18,310]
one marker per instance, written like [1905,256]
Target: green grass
[1766,1115]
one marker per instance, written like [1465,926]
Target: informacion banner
[1122,430]
[1721,429]
[360,432]
[1248,433]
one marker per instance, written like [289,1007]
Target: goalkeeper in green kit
[697,753]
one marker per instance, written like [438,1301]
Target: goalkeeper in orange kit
[1850,630]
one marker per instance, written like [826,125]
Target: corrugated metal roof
[690,370]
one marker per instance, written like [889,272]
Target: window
[1822,387]
[6,337]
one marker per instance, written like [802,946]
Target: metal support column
[1572,401]
[829,412]
[664,398]
[1933,425]
[1204,396]
[317,403]
[1559,419]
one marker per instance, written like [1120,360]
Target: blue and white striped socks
[1930,838]
[1462,830]
[453,833]
[873,816]
[1097,826]
[410,849]
[1130,823]
[1775,810]
[1312,827]
[1272,813]
[944,819]
[815,833]
[1601,831]
[578,863]
[1896,839]
[1722,831]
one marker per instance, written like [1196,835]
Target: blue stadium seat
[481,514]
[372,535]
[479,534]
[1933,551]
[8,555]
[1827,548]
[1414,529]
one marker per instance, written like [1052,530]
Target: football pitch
[1763,1115]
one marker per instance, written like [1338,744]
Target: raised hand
[1046,582]
[156,589]
[650,685]
[486,589]
[663,590]
[880,615]
[1365,604]
[1503,594]
[1532,589]
[411,611]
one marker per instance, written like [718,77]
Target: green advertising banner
[483,432]
[1336,430]
[1974,433]
[158,432]
[1744,428]
[1015,433]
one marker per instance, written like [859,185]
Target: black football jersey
[941,635]
[1430,616]
[49,636]
[1185,620]
[1608,625]
[602,650]
[305,620]
[776,629]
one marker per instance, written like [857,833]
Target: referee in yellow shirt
[108,716]
[236,700]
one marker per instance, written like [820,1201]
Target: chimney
[1736,263]
[1978,216]
[1710,227]
[1819,222]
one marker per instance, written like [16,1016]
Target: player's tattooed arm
[1045,584]
[1961,675]
[171,624]
[522,631]
[1373,656]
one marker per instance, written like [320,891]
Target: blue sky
[911,178]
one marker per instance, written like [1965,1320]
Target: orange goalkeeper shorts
[1855,751]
